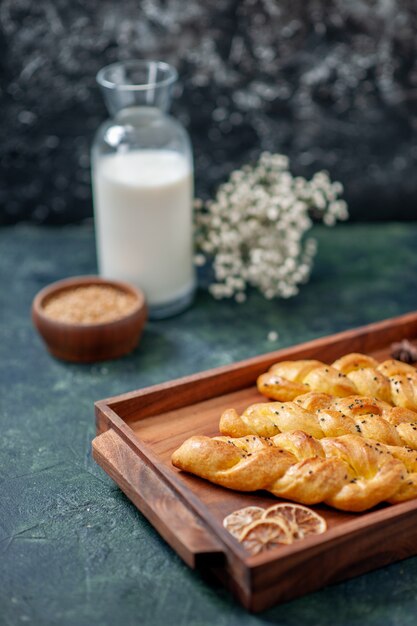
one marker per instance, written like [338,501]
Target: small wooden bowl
[89,342]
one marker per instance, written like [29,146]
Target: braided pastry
[321,415]
[391,381]
[253,463]
[408,487]
[348,472]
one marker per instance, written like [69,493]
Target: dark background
[331,83]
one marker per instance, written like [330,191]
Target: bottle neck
[131,115]
[121,104]
[132,84]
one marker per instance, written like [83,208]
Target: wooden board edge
[355,525]
[113,423]
[108,417]
[256,591]
[242,374]
[339,560]
[176,523]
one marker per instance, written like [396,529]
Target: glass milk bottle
[143,187]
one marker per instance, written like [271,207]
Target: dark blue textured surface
[73,550]
[329,82]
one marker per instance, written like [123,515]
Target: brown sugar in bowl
[106,329]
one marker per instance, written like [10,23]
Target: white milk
[143,220]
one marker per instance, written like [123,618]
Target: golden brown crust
[310,481]
[344,434]
[375,475]
[267,419]
[289,379]
[348,472]
[273,386]
[372,475]
[244,464]
[321,415]
[392,381]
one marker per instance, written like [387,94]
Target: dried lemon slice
[301,520]
[237,521]
[264,535]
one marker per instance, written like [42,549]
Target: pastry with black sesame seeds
[353,374]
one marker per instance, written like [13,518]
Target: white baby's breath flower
[254,230]
[199,260]
[329,219]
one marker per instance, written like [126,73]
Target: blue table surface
[73,549]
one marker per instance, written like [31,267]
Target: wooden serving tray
[138,431]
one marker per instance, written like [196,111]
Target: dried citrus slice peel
[237,521]
[264,535]
[301,520]
[261,529]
